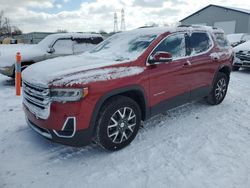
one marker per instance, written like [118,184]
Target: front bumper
[80,137]
[8,71]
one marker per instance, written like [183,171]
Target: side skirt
[180,100]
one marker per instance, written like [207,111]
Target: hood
[243,47]
[8,53]
[77,69]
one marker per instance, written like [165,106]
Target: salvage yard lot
[195,145]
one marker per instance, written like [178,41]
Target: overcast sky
[94,15]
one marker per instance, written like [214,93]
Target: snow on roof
[53,37]
[120,48]
[237,37]
[246,11]
[238,9]
[243,47]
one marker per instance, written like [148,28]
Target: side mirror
[50,50]
[160,57]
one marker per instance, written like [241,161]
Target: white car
[50,47]
[238,38]
[242,53]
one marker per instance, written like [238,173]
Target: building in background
[231,20]
[32,38]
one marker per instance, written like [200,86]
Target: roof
[244,11]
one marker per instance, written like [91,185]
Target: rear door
[201,70]
[169,83]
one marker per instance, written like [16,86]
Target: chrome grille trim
[37,100]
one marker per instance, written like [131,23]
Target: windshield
[124,46]
[47,41]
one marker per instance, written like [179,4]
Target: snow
[44,73]
[50,39]
[196,145]
[219,55]
[38,52]
[234,38]
[239,9]
[98,75]
[120,48]
[243,47]
[8,53]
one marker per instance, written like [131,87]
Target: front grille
[37,100]
[243,55]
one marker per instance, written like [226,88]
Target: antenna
[123,27]
[115,23]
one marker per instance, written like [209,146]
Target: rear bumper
[8,71]
[80,137]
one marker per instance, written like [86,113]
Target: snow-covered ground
[195,145]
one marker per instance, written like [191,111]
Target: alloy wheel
[121,125]
[220,89]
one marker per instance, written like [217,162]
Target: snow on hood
[243,47]
[8,53]
[98,75]
[233,38]
[74,69]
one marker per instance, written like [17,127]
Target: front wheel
[219,90]
[118,123]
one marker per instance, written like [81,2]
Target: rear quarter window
[221,40]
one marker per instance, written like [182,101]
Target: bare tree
[6,27]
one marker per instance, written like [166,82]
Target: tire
[118,123]
[235,68]
[219,90]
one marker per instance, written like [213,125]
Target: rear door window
[199,42]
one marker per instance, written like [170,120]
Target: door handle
[187,64]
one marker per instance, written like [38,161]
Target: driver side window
[174,44]
[63,47]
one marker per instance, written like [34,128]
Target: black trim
[200,93]
[219,70]
[120,91]
[170,103]
[81,137]
[211,5]
[180,100]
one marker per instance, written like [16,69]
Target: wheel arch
[222,69]
[137,93]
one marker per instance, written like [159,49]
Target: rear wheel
[118,123]
[219,90]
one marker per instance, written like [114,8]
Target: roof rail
[146,27]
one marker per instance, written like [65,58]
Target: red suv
[103,95]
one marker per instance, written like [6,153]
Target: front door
[169,83]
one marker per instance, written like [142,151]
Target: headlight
[62,95]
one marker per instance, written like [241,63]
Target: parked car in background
[242,56]
[238,38]
[52,46]
[103,95]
